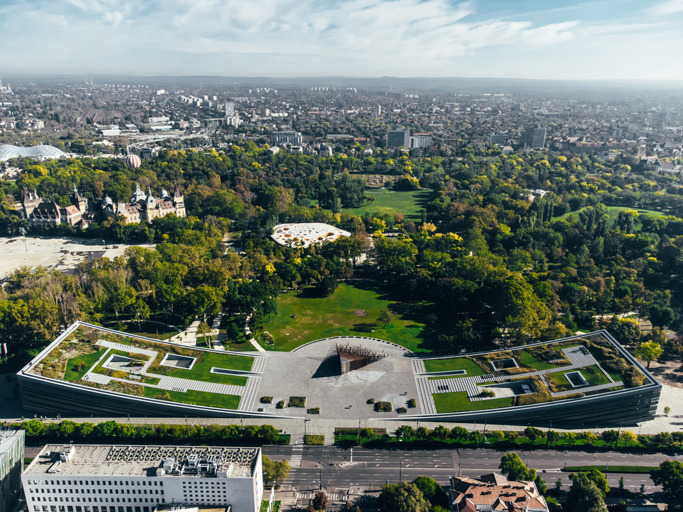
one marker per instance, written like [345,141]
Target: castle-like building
[145,206]
[38,211]
[79,214]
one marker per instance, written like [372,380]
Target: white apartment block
[106,478]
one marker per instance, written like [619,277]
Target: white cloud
[668,7]
[318,37]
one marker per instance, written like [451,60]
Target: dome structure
[43,152]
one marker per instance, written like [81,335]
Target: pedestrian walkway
[176,384]
[249,394]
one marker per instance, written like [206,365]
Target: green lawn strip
[593,375]
[349,311]
[458,401]
[100,367]
[527,359]
[455,363]
[390,202]
[201,370]
[72,374]
[612,469]
[195,397]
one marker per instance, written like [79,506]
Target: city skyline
[592,40]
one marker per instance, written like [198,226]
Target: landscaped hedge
[111,431]
[313,439]
[528,438]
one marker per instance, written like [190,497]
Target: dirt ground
[669,373]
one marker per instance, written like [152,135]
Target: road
[370,468]
[366,468]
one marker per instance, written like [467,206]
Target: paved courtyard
[310,371]
[62,254]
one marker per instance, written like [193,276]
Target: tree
[402,497]
[405,432]
[320,501]
[512,466]
[584,496]
[141,312]
[386,316]
[649,351]
[274,471]
[670,477]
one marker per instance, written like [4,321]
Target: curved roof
[8,151]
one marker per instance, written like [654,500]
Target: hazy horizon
[593,40]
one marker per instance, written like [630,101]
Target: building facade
[286,138]
[146,207]
[398,138]
[11,466]
[105,478]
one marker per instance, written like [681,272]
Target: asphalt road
[370,468]
[362,469]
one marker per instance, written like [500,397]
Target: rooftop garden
[137,367]
[527,375]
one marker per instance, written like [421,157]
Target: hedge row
[529,438]
[111,431]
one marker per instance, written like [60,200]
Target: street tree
[670,477]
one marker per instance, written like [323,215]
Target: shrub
[266,399]
[297,401]
[280,404]
[487,393]
[383,406]
[314,410]
[314,439]
[412,403]
[371,400]
[401,410]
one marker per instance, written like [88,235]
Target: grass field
[72,374]
[456,363]
[613,213]
[195,397]
[458,401]
[390,202]
[201,370]
[592,374]
[529,360]
[349,311]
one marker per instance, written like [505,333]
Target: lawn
[390,202]
[72,374]
[455,363]
[593,375]
[195,397]
[458,401]
[613,213]
[349,311]
[528,360]
[201,370]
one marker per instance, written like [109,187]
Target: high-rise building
[106,478]
[398,138]
[11,466]
[421,140]
[286,138]
[534,137]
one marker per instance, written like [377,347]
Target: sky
[532,39]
